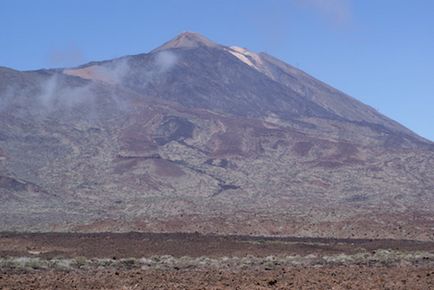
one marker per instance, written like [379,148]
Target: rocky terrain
[197,136]
[194,261]
[341,277]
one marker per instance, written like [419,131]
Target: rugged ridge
[197,136]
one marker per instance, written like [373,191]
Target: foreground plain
[194,261]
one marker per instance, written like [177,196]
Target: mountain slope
[196,136]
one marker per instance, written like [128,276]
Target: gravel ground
[341,277]
[192,261]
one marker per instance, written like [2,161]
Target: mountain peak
[187,40]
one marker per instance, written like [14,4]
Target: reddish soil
[353,277]
[107,245]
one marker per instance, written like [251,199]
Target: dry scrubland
[46,261]
[384,269]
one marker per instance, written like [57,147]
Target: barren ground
[193,261]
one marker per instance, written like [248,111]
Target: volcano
[195,136]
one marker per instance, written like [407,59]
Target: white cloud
[68,56]
[338,11]
[165,60]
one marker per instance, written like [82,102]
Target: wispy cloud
[69,56]
[165,60]
[59,93]
[337,11]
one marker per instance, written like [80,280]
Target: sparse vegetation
[167,262]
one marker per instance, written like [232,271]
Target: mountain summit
[197,136]
[187,40]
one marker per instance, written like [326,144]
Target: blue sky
[379,51]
